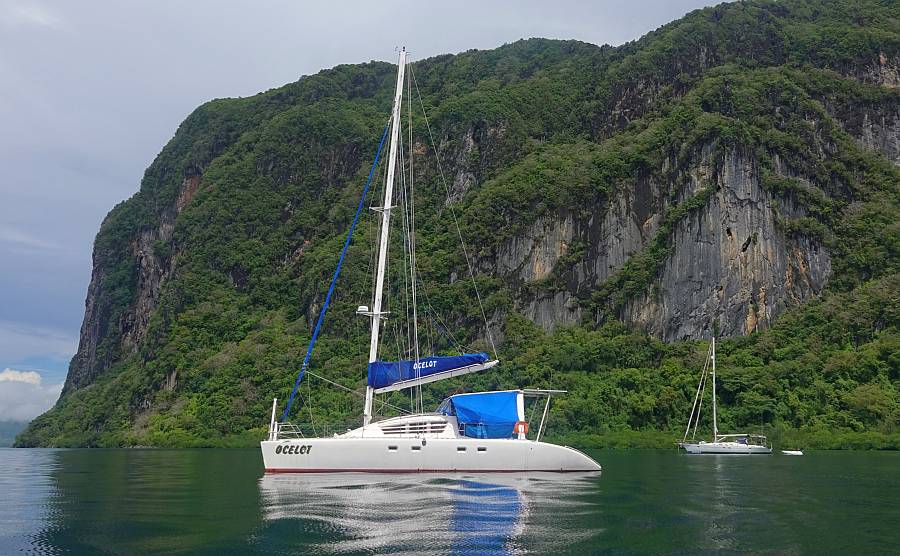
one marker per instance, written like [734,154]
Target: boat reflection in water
[464,513]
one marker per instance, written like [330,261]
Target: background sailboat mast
[715,423]
[385,230]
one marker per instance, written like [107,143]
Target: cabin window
[414,428]
[482,449]
[415,448]
[460,448]
[392,448]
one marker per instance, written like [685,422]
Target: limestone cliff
[731,266]
[714,174]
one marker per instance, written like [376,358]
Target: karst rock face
[682,183]
[730,263]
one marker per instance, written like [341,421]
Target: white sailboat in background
[483,432]
[741,443]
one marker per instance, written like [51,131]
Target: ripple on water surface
[645,502]
[27,487]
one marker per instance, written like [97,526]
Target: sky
[90,91]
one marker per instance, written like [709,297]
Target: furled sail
[387,376]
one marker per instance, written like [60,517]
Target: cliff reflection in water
[483,514]
[218,502]
[144,501]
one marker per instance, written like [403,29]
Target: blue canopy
[385,373]
[485,414]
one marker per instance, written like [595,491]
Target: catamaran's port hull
[417,455]
[726,448]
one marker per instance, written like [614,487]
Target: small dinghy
[792,452]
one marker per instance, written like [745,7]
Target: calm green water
[645,502]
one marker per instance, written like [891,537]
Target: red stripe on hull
[430,471]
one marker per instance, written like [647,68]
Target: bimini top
[386,376]
[486,414]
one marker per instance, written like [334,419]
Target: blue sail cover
[385,373]
[485,414]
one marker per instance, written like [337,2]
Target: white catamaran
[477,432]
[721,443]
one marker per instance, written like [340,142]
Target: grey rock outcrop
[532,256]
[151,269]
[730,264]
[881,132]
[884,71]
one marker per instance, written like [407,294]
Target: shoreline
[626,439]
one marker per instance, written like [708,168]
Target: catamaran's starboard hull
[725,448]
[416,455]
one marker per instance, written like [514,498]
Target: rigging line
[337,273]
[397,340]
[429,325]
[442,329]
[352,391]
[487,328]
[408,349]
[400,358]
[533,409]
[412,229]
[370,260]
[404,199]
[411,240]
[694,415]
[703,378]
[407,248]
[699,406]
[406,287]
[430,308]
[312,423]
[387,299]
[434,326]
[373,249]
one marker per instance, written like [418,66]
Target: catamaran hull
[725,448]
[417,455]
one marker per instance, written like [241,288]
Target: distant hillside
[9,430]
[735,170]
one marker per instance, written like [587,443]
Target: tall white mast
[385,210]
[715,424]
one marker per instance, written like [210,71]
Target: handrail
[288,430]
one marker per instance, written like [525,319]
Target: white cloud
[12,375]
[23,395]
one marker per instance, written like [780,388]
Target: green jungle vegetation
[552,126]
